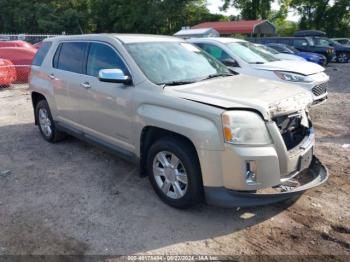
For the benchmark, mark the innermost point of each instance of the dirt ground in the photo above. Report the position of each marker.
(72, 198)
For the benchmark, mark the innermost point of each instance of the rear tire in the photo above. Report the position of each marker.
(174, 172)
(46, 124)
(343, 57)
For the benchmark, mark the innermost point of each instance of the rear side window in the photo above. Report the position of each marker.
(70, 56)
(41, 54)
(102, 56)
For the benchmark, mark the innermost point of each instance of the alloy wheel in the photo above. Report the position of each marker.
(342, 58)
(170, 174)
(45, 122)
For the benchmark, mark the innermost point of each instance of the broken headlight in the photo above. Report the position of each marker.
(245, 128)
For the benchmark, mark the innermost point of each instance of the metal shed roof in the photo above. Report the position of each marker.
(242, 26)
(201, 32)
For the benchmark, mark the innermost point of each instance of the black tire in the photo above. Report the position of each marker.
(343, 57)
(55, 135)
(188, 157)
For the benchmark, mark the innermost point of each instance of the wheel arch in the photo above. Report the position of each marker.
(151, 134)
(36, 98)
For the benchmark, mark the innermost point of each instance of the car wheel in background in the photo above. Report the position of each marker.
(174, 172)
(46, 124)
(343, 57)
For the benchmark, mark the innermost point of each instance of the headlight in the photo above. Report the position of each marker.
(245, 128)
(287, 76)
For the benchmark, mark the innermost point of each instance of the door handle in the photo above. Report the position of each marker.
(52, 76)
(86, 85)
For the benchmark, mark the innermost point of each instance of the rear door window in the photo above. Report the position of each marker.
(41, 54)
(70, 56)
(102, 56)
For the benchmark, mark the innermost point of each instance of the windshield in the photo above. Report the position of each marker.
(175, 62)
(322, 41)
(293, 49)
(250, 53)
(267, 49)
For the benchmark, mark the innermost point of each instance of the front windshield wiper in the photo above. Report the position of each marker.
(257, 63)
(183, 82)
(176, 83)
(217, 75)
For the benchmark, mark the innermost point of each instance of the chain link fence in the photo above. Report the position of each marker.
(30, 38)
(16, 54)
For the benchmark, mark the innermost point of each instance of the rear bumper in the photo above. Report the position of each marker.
(312, 177)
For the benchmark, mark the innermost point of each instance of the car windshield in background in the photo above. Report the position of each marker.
(267, 49)
(251, 53)
(322, 42)
(293, 49)
(175, 63)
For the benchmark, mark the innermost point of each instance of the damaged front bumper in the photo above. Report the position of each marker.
(309, 178)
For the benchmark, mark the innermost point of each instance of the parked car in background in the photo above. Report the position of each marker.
(37, 45)
(7, 73)
(342, 52)
(311, 57)
(22, 58)
(310, 33)
(303, 44)
(319, 38)
(342, 41)
(198, 131)
(243, 57)
(279, 55)
(15, 43)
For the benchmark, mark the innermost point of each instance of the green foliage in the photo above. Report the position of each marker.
(251, 9)
(77, 16)
(332, 17)
(285, 28)
(40, 16)
(164, 16)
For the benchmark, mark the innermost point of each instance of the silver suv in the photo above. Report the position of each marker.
(198, 131)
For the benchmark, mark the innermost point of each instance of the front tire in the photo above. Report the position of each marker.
(174, 172)
(343, 57)
(46, 124)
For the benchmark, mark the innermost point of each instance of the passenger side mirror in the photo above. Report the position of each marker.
(114, 76)
(230, 62)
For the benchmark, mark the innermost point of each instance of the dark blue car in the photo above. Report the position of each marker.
(311, 57)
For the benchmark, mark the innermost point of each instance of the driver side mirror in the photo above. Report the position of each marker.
(230, 62)
(114, 76)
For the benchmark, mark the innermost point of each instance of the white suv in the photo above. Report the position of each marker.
(245, 58)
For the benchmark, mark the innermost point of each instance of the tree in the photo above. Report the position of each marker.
(148, 16)
(330, 16)
(40, 16)
(251, 9)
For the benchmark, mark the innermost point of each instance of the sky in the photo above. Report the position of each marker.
(213, 6)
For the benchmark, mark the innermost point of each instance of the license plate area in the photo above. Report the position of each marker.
(306, 159)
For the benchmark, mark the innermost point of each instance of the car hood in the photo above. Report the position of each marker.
(300, 67)
(343, 47)
(311, 55)
(269, 97)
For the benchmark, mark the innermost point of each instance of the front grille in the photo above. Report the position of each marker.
(320, 89)
(291, 129)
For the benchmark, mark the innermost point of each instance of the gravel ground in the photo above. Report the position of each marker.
(72, 198)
